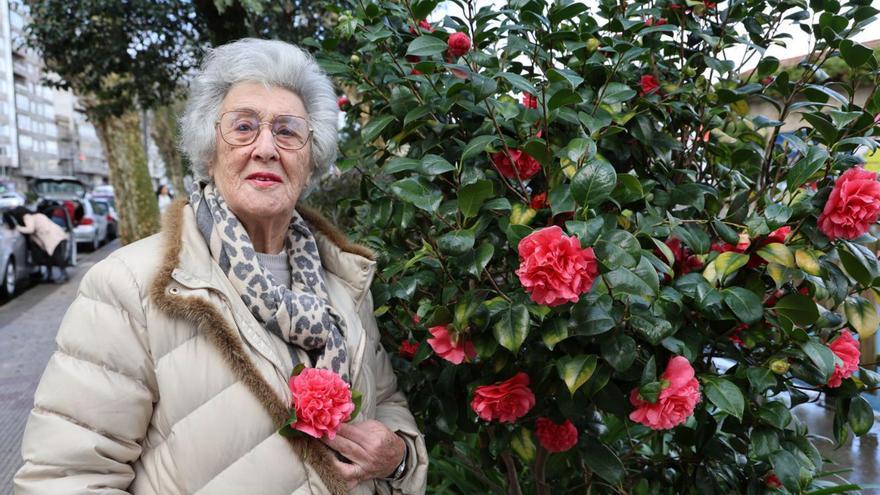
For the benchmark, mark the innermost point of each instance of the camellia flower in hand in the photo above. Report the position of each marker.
(322, 402)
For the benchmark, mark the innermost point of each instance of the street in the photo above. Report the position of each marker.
(28, 324)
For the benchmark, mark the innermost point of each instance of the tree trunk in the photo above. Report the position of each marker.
(122, 140)
(163, 128)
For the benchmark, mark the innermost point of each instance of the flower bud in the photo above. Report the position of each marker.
(355, 59)
(779, 366)
(592, 45)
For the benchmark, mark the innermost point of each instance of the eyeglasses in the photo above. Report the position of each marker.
(241, 128)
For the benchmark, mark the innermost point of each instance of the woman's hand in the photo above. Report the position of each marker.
(373, 449)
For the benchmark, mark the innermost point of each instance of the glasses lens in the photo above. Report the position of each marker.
(239, 128)
(290, 132)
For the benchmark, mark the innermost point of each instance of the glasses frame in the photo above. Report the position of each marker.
(260, 129)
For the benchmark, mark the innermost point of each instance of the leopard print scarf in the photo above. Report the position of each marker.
(301, 315)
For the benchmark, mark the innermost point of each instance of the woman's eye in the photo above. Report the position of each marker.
(243, 126)
(285, 131)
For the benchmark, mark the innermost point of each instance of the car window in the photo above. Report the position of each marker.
(99, 207)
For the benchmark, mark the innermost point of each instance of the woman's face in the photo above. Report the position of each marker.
(260, 181)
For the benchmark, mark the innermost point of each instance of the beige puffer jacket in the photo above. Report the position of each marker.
(164, 383)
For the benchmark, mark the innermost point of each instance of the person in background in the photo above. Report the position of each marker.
(45, 235)
(164, 197)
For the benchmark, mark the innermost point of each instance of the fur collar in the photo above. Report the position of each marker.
(209, 321)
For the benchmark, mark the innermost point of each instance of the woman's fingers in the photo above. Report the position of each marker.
(347, 447)
(352, 473)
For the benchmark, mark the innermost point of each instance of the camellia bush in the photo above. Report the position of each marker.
(600, 271)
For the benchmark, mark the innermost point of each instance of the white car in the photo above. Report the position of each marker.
(91, 225)
(11, 199)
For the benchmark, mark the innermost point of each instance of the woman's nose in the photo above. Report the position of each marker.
(264, 146)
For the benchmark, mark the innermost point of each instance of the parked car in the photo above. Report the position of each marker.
(105, 206)
(90, 227)
(14, 265)
(11, 199)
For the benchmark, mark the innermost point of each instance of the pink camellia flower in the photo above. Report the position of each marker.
(342, 102)
(554, 268)
(853, 206)
(685, 262)
(772, 481)
(846, 348)
(459, 44)
(451, 348)
(678, 397)
(539, 201)
(649, 84)
(650, 21)
(524, 163)
(422, 24)
(554, 437)
(505, 401)
(408, 349)
(322, 401)
(529, 100)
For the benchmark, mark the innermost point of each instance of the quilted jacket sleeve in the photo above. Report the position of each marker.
(393, 411)
(95, 399)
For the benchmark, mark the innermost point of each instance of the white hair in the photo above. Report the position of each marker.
(273, 63)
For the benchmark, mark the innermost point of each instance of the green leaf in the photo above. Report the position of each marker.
(435, 165)
(375, 126)
(725, 395)
(564, 75)
(358, 399)
(861, 416)
(694, 237)
(576, 370)
(787, 469)
(418, 193)
(760, 379)
(554, 332)
(456, 242)
(859, 262)
(778, 253)
(745, 304)
(616, 93)
(798, 308)
(522, 445)
(560, 200)
(651, 328)
(401, 164)
(518, 82)
(806, 167)
(808, 261)
(726, 264)
(777, 214)
(855, 54)
(477, 145)
(591, 318)
(603, 462)
(775, 413)
(862, 315)
(513, 327)
(619, 352)
(618, 248)
(821, 356)
(579, 148)
(425, 46)
(472, 196)
(475, 261)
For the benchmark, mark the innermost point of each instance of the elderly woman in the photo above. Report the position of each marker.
(171, 374)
